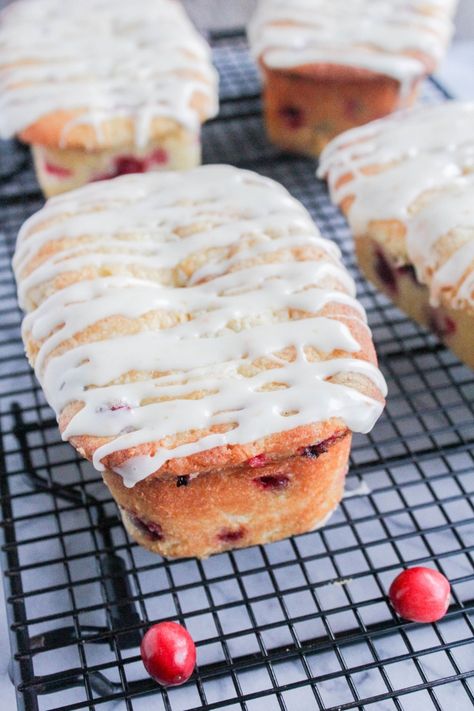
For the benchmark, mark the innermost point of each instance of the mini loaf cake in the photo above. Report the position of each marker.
(406, 185)
(200, 342)
(100, 88)
(329, 65)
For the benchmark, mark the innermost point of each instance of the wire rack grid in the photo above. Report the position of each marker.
(299, 624)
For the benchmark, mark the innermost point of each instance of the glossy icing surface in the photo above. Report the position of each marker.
(398, 38)
(416, 168)
(214, 252)
(106, 59)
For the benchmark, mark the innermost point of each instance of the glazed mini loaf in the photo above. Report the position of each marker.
(406, 185)
(100, 88)
(200, 342)
(329, 65)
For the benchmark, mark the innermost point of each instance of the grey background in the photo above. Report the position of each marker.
(219, 13)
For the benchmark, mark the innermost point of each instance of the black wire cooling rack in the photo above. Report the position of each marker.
(298, 625)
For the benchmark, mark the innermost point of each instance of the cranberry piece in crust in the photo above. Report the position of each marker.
(227, 535)
(408, 270)
(158, 157)
(260, 460)
(353, 108)
(385, 272)
(57, 170)
(168, 653)
(275, 482)
(315, 450)
(120, 406)
(420, 594)
(440, 324)
(114, 406)
(449, 326)
(125, 165)
(292, 116)
(152, 531)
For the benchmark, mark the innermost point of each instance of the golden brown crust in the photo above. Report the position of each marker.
(281, 444)
(391, 232)
(390, 236)
(328, 99)
(327, 72)
(91, 262)
(365, 168)
(176, 275)
(455, 327)
(235, 506)
(64, 129)
(331, 71)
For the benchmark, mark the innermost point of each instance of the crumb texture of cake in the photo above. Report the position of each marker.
(329, 65)
(196, 324)
(104, 79)
(234, 507)
(406, 185)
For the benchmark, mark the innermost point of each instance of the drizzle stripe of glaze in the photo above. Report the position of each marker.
(424, 178)
(398, 38)
(268, 276)
(107, 58)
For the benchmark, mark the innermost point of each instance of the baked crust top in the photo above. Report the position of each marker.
(101, 73)
(403, 39)
(408, 182)
(181, 322)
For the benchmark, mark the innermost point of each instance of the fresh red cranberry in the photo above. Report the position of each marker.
(420, 594)
(57, 170)
(168, 653)
(385, 272)
(152, 531)
(292, 116)
(128, 164)
(260, 460)
(440, 324)
(158, 157)
(228, 535)
(182, 481)
(275, 482)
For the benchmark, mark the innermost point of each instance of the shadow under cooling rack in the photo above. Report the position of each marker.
(299, 624)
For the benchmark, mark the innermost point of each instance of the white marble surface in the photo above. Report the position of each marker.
(7, 693)
(457, 74)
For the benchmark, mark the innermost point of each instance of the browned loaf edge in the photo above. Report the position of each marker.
(234, 506)
(50, 130)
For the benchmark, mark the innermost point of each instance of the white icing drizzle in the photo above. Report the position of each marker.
(106, 58)
(425, 155)
(398, 38)
(242, 312)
